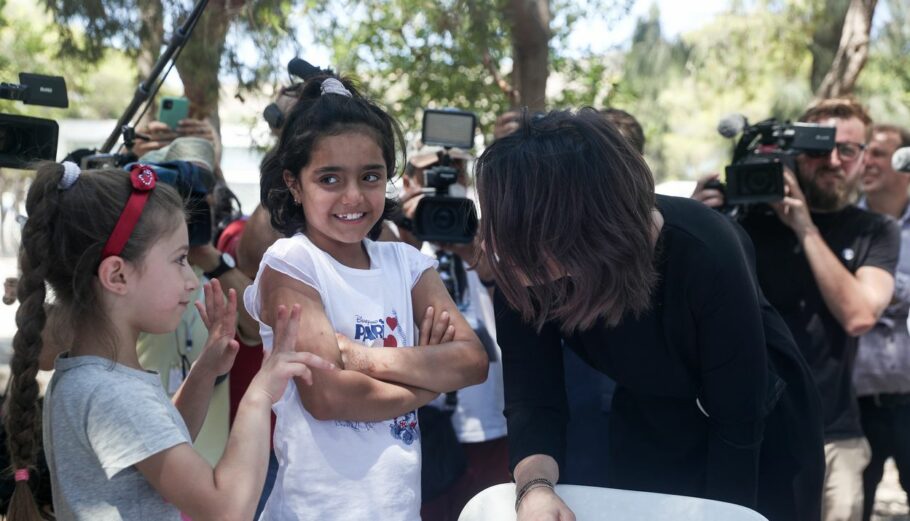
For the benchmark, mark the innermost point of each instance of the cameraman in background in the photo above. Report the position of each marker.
(827, 266)
(477, 418)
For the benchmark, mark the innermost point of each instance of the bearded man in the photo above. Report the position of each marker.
(828, 267)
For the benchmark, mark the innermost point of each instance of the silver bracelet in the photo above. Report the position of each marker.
(530, 485)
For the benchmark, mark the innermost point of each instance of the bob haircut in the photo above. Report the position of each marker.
(567, 222)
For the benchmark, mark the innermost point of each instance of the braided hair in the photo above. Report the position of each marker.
(61, 251)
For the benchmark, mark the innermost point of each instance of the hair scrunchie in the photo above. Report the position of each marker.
(333, 86)
(71, 172)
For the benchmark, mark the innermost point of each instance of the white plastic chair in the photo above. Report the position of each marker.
(497, 503)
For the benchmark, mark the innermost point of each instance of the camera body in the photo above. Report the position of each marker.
(194, 184)
(441, 217)
(23, 139)
(756, 174)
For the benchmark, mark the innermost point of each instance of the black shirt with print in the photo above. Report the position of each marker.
(858, 238)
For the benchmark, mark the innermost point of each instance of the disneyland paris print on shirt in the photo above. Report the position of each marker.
(384, 332)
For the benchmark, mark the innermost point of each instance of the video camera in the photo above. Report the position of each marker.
(440, 217)
(756, 173)
(194, 184)
(23, 139)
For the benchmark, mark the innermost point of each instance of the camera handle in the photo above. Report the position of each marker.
(445, 161)
(145, 89)
(12, 91)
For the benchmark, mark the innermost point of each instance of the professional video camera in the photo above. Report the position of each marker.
(756, 173)
(23, 139)
(194, 184)
(440, 217)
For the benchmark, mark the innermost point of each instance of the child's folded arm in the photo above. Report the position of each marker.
(334, 395)
(450, 365)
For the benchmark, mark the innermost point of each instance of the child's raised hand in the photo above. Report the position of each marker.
(284, 362)
(220, 318)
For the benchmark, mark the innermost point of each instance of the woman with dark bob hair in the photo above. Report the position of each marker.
(713, 399)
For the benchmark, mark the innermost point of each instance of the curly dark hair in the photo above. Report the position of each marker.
(313, 117)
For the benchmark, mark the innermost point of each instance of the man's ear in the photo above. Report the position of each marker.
(113, 273)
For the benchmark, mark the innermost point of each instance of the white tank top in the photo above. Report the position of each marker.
(341, 469)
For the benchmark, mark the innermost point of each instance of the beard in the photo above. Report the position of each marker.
(825, 198)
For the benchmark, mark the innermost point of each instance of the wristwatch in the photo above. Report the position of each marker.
(225, 263)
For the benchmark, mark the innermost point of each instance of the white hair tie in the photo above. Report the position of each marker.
(333, 86)
(71, 172)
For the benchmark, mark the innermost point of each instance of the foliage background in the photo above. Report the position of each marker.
(756, 57)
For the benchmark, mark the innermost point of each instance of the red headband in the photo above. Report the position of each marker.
(143, 179)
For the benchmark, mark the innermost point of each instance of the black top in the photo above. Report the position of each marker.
(703, 338)
(858, 238)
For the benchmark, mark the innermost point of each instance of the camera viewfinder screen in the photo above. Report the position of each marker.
(448, 128)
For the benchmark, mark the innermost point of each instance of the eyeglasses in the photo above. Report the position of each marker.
(849, 150)
(846, 150)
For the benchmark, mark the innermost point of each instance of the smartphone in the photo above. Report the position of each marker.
(172, 110)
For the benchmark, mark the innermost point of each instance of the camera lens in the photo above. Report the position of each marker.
(168, 104)
(10, 141)
(760, 183)
(444, 219)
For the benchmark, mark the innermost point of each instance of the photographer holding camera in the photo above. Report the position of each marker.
(827, 266)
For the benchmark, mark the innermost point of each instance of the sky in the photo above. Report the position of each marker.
(676, 18)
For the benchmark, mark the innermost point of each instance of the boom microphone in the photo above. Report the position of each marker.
(731, 125)
(900, 161)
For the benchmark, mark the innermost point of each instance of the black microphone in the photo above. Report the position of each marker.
(731, 125)
(304, 69)
(900, 161)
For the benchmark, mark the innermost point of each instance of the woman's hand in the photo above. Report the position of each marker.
(220, 318)
(543, 504)
(284, 362)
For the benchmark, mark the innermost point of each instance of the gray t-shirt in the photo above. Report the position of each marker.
(100, 419)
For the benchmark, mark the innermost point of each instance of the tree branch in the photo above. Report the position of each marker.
(503, 85)
(851, 53)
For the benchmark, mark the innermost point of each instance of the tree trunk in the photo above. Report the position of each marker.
(529, 22)
(852, 51)
(151, 38)
(200, 60)
(829, 26)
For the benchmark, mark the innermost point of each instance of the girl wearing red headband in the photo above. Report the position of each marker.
(112, 246)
